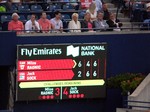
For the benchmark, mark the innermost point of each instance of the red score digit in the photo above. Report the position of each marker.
(65, 92)
(57, 93)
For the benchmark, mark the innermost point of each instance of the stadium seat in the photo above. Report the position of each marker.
(68, 7)
(36, 8)
(22, 18)
(65, 17)
(5, 18)
(14, 8)
(23, 8)
(54, 7)
(48, 17)
(81, 14)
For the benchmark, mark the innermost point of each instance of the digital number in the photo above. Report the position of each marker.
(94, 74)
(79, 64)
(95, 63)
(79, 73)
(87, 74)
(57, 93)
(88, 64)
(65, 91)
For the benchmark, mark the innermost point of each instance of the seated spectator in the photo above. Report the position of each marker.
(114, 23)
(146, 14)
(45, 24)
(32, 25)
(92, 11)
(15, 24)
(57, 23)
(106, 12)
(146, 18)
(74, 23)
(87, 24)
(100, 24)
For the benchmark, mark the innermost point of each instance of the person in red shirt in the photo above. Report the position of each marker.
(15, 24)
(45, 24)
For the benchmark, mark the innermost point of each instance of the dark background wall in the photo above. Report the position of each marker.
(126, 53)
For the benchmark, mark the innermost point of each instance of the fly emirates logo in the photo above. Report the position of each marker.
(39, 51)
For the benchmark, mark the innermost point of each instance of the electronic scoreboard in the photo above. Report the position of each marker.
(61, 71)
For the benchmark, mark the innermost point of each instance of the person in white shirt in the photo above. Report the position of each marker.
(74, 25)
(92, 11)
(56, 22)
(32, 25)
(98, 5)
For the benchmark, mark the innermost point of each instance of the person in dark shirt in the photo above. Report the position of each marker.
(114, 24)
(105, 11)
(87, 23)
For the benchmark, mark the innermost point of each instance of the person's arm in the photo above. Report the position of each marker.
(96, 25)
(27, 27)
(61, 26)
(10, 26)
(70, 27)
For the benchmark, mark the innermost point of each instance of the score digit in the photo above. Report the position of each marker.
(87, 74)
(65, 92)
(88, 64)
(79, 64)
(57, 93)
(95, 64)
(94, 74)
(79, 73)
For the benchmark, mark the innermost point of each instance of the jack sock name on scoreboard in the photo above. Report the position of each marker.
(74, 51)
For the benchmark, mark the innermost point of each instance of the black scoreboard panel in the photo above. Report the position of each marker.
(64, 71)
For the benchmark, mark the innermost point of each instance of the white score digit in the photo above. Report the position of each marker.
(94, 74)
(87, 74)
(95, 63)
(88, 64)
(79, 73)
(79, 64)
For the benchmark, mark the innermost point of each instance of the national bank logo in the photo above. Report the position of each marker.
(74, 51)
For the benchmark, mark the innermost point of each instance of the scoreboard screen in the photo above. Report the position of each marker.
(61, 71)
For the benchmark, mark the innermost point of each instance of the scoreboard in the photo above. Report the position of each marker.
(61, 71)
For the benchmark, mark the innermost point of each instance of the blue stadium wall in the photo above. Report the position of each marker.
(126, 53)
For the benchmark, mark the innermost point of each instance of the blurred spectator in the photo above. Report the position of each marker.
(15, 24)
(57, 23)
(87, 24)
(100, 24)
(6, 4)
(146, 18)
(45, 24)
(92, 11)
(106, 12)
(98, 5)
(32, 25)
(114, 23)
(146, 14)
(74, 23)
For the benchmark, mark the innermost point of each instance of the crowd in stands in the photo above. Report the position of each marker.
(94, 18)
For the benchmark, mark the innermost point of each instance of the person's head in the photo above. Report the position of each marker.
(104, 7)
(112, 16)
(57, 15)
(148, 7)
(100, 15)
(92, 7)
(43, 16)
(87, 16)
(33, 17)
(75, 16)
(15, 16)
